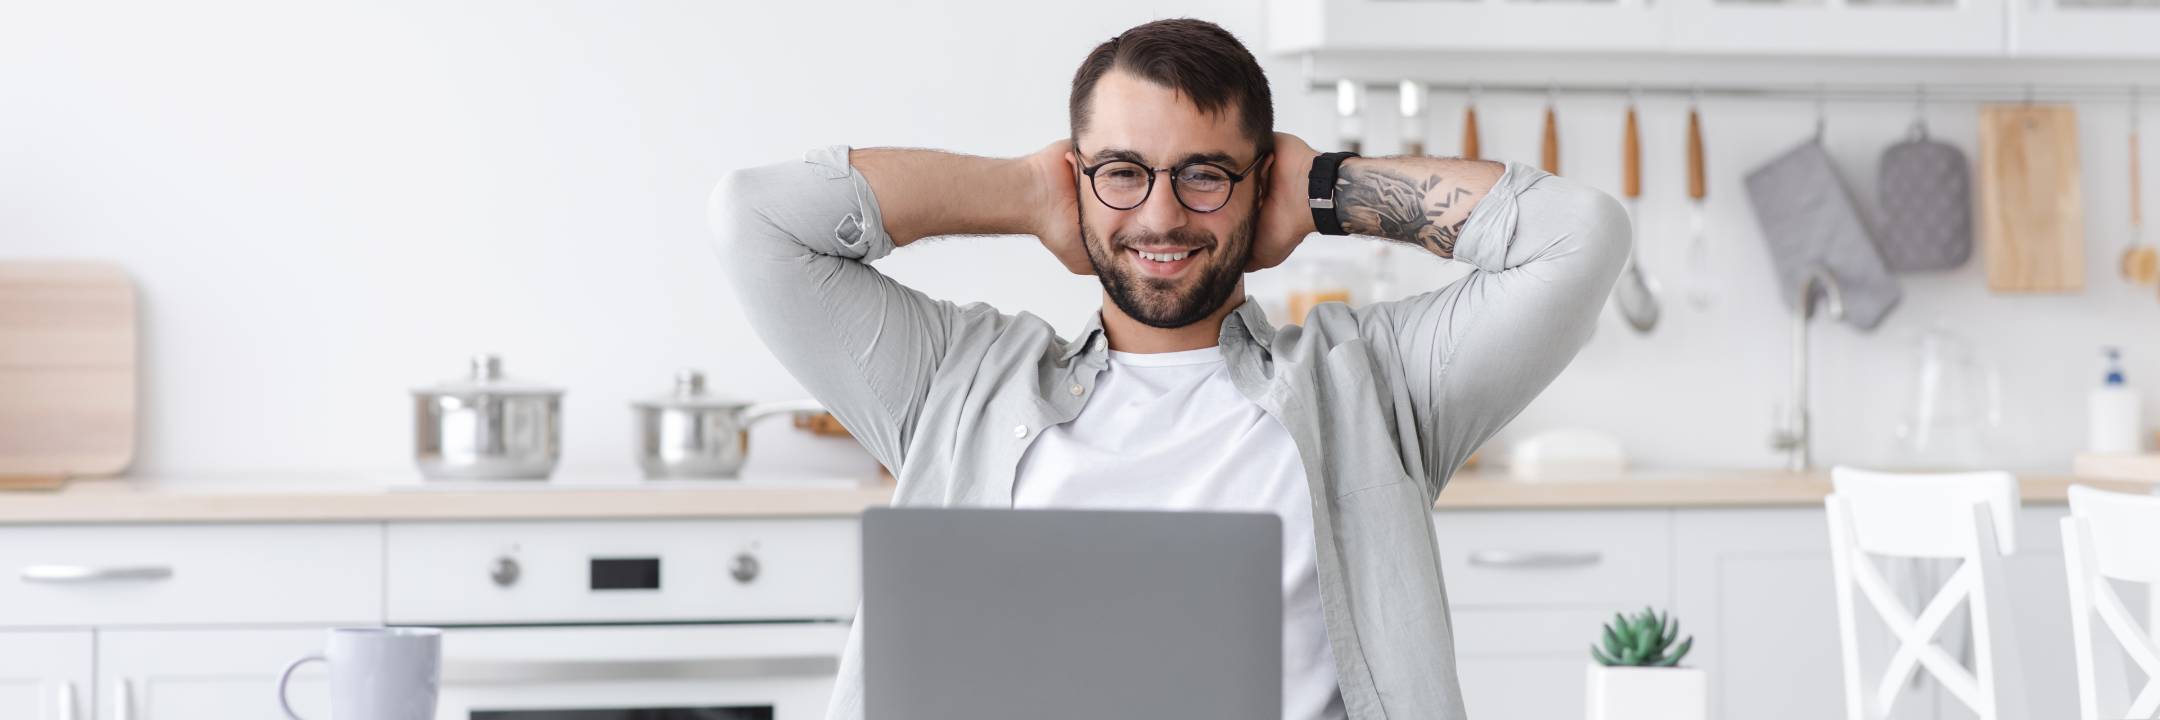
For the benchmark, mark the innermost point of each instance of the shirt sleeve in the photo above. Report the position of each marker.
(1472, 354)
(796, 239)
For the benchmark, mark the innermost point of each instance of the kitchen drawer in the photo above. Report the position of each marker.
(645, 571)
(191, 574)
(1609, 559)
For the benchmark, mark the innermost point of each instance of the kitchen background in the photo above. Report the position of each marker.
(326, 204)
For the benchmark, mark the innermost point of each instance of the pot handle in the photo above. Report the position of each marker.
(760, 411)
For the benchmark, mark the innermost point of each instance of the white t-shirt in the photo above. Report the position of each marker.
(1169, 431)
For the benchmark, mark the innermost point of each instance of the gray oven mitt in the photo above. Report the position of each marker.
(1808, 219)
(1926, 192)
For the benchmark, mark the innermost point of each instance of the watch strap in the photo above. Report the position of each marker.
(1320, 192)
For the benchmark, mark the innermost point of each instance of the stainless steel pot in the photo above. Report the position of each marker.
(689, 434)
(487, 427)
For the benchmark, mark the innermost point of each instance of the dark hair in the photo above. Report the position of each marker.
(1196, 58)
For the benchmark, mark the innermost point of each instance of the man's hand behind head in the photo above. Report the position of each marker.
(1057, 221)
(1285, 220)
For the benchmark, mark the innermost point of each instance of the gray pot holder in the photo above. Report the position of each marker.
(1926, 193)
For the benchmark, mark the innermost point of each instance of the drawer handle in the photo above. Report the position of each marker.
(1534, 559)
(90, 574)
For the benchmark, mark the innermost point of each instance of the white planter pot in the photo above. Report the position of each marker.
(1638, 693)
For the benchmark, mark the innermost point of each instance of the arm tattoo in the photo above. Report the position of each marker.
(1403, 207)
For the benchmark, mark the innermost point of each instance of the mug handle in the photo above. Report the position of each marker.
(287, 677)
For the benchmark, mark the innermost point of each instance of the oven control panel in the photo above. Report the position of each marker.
(487, 573)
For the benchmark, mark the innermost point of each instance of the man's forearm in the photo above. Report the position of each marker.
(927, 192)
(1423, 201)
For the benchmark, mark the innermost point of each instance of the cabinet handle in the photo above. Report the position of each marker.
(61, 574)
(1534, 559)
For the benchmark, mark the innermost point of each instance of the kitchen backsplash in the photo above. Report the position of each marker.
(310, 246)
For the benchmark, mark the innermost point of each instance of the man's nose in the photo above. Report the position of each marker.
(1161, 212)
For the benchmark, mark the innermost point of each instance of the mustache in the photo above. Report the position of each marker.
(1184, 238)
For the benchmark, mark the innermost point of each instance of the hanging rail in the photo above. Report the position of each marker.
(1901, 93)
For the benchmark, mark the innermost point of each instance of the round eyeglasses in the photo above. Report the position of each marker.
(1200, 186)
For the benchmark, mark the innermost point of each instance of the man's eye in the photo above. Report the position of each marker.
(1204, 179)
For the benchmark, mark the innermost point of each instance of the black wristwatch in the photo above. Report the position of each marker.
(1320, 192)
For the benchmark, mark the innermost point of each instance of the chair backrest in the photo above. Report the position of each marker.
(1922, 514)
(1962, 516)
(2111, 536)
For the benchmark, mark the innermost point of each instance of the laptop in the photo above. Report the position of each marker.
(991, 614)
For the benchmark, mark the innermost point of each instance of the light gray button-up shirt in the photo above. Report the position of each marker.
(1382, 401)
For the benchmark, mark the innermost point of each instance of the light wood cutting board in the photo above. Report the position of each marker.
(67, 371)
(2032, 210)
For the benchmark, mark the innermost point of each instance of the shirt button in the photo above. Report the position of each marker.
(1020, 431)
(1099, 343)
(1076, 390)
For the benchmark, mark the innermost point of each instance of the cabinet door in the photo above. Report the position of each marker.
(206, 674)
(1754, 587)
(2084, 28)
(1530, 591)
(1926, 28)
(1456, 25)
(45, 675)
(1525, 663)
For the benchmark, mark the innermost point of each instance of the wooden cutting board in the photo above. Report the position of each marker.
(2032, 210)
(67, 371)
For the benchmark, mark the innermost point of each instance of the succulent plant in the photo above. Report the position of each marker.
(1645, 640)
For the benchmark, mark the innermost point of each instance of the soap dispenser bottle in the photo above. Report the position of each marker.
(2113, 419)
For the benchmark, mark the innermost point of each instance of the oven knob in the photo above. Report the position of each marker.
(744, 568)
(504, 572)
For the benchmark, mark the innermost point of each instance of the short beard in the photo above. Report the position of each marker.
(1157, 302)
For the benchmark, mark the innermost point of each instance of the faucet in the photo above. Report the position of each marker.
(1796, 437)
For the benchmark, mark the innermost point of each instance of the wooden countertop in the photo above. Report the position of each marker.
(319, 498)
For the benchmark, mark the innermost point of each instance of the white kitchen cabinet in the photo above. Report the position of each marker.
(107, 575)
(2040, 602)
(2084, 28)
(45, 675)
(222, 674)
(1755, 585)
(1754, 588)
(1576, 25)
(1525, 663)
(1929, 28)
(1529, 592)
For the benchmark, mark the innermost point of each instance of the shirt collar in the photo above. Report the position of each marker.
(1247, 324)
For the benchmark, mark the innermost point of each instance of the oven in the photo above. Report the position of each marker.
(722, 619)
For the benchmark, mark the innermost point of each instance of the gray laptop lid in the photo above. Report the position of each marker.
(988, 614)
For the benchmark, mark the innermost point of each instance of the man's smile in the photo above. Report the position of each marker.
(1164, 261)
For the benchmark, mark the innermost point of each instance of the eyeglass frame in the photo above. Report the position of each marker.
(1235, 178)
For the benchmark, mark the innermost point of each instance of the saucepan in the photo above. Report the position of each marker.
(691, 434)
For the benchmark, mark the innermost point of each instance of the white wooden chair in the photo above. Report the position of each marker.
(1960, 516)
(2111, 536)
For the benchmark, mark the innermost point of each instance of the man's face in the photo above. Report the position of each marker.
(1134, 119)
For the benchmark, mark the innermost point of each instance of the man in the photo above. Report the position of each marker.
(1180, 394)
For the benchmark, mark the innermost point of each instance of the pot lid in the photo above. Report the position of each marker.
(485, 376)
(689, 393)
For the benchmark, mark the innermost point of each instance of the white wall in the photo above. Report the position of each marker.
(326, 205)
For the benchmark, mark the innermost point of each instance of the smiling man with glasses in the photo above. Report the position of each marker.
(1180, 394)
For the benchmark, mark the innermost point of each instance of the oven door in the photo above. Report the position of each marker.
(745, 671)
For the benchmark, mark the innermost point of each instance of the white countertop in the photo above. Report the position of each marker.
(359, 498)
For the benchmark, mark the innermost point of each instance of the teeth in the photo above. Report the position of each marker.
(1164, 257)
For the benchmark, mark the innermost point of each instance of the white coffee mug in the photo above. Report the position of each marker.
(377, 673)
